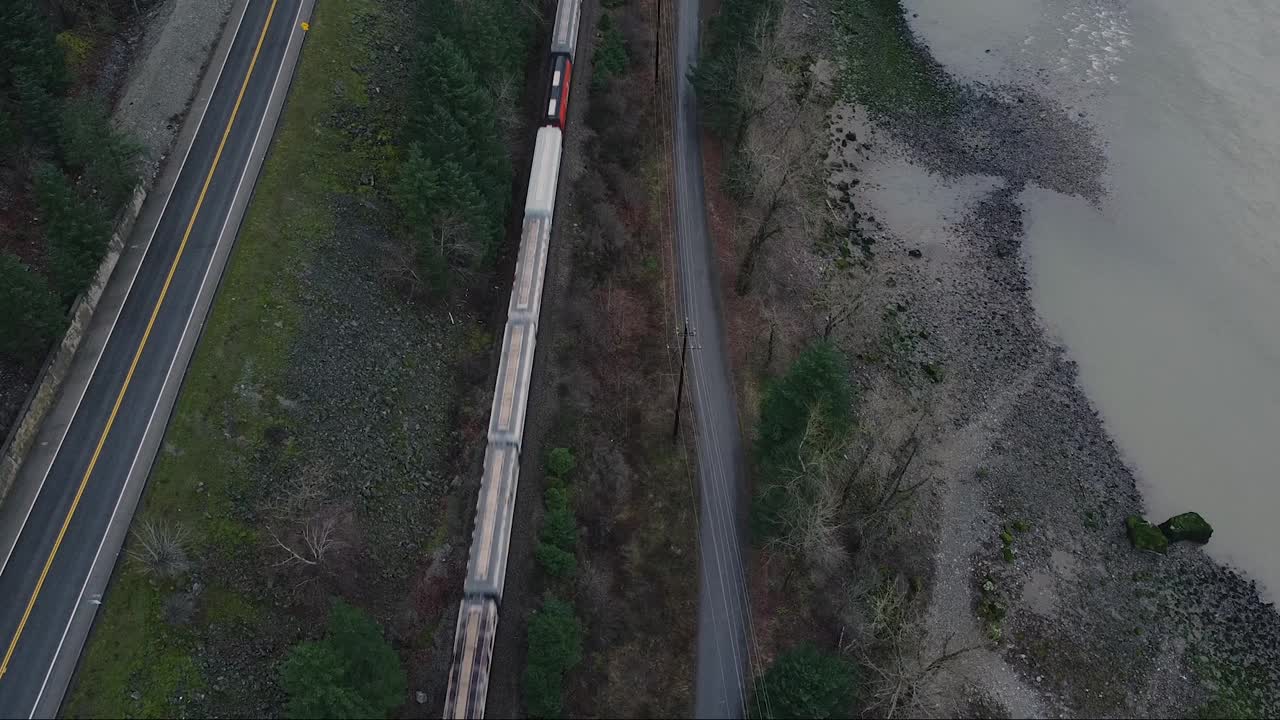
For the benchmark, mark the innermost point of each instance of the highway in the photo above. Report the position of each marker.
(722, 681)
(62, 527)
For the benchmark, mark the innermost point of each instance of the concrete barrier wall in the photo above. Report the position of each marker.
(45, 392)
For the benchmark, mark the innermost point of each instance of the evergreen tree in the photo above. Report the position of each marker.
(555, 648)
(559, 527)
(818, 381)
(805, 683)
(33, 74)
(352, 673)
(32, 315)
(496, 33)
(27, 44)
(77, 232)
(444, 213)
(453, 115)
(90, 145)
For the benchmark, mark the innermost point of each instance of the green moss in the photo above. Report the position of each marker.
(1146, 536)
(1187, 526)
(1091, 520)
(883, 67)
(991, 609)
(933, 371)
(1234, 691)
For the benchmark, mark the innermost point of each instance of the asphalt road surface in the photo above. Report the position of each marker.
(66, 518)
(722, 679)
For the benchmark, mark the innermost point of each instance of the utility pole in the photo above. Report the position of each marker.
(684, 353)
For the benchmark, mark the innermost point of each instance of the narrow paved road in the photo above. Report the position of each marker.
(64, 523)
(722, 681)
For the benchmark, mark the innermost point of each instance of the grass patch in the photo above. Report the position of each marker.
(883, 67)
(137, 662)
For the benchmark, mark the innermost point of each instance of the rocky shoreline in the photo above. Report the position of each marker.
(1032, 564)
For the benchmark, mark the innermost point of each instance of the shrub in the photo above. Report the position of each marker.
(160, 549)
(559, 527)
(818, 381)
(444, 213)
(610, 58)
(814, 397)
(555, 647)
(32, 315)
(352, 672)
(556, 562)
(805, 683)
(560, 462)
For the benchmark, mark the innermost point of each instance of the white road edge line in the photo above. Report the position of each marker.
(137, 271)
(295, 32)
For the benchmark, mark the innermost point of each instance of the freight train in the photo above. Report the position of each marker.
(495, 506)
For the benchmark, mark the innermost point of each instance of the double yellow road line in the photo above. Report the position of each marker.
(155, 312)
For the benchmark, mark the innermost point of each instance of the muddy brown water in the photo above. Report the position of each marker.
(1167, 291)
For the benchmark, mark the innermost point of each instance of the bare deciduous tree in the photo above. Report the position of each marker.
(836, 301)
(304, 491)
(400, 262)
(782, 140)
(831, 498)
(506, 96)
(810, 522)
(318, 541)
(160, 548)
(901, 682)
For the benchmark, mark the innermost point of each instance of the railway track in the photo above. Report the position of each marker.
(495, 506)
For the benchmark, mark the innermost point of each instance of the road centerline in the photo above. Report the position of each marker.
(155, 312)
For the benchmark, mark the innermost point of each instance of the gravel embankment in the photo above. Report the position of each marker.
(171, 57)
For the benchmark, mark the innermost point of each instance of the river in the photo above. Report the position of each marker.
(1166, 292)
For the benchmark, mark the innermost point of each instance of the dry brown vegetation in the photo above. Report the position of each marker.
(607, 360)
(848, 568)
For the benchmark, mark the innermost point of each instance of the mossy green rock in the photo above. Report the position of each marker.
(1187, 526)
(1146, 536)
